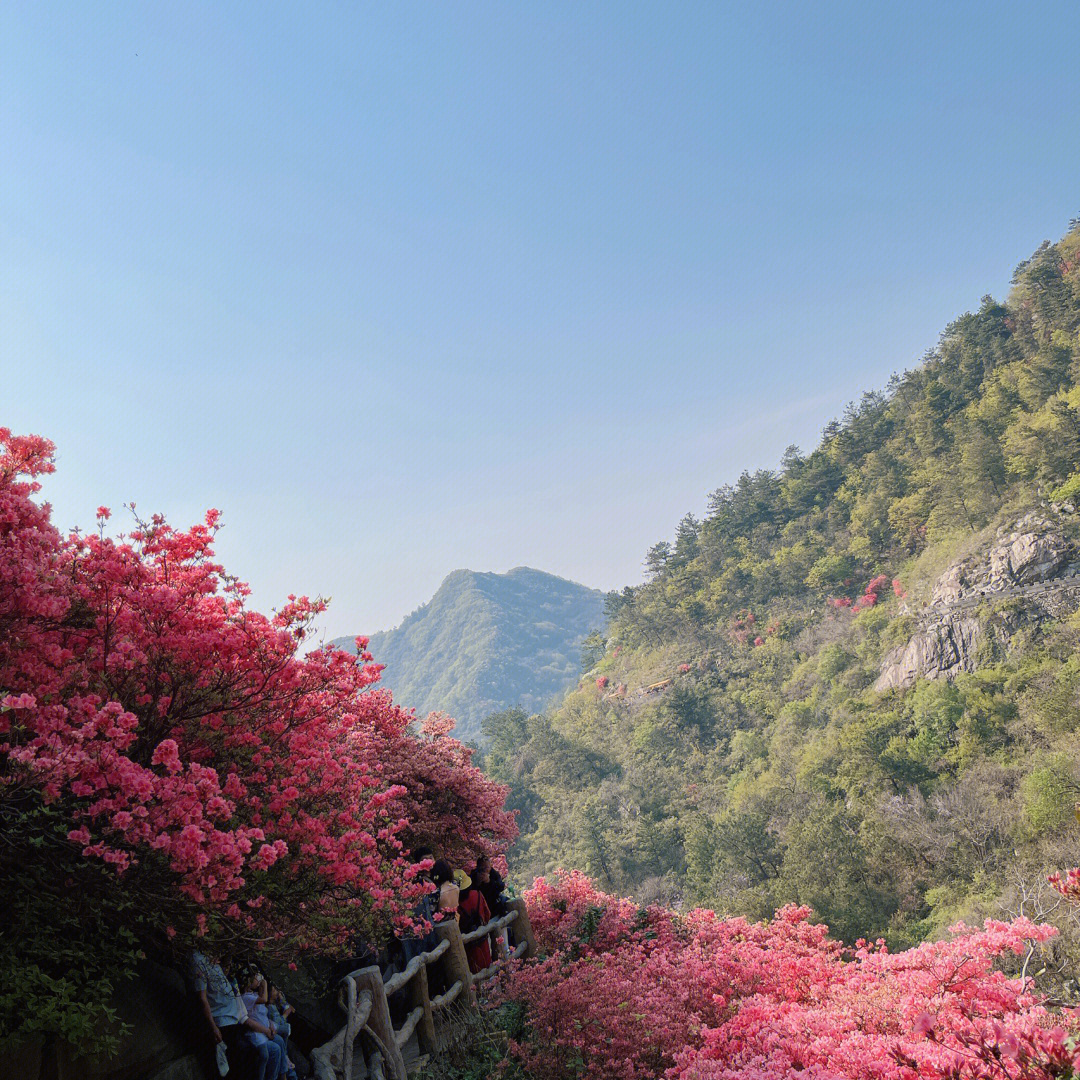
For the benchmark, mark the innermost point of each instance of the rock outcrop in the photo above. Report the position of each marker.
(163, 1042)
(1033, 550)
(1031, 560)
(167, 1038)
(940, 651)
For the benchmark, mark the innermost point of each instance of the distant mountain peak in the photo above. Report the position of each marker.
(487, 641)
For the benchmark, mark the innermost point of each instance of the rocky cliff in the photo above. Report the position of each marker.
(1032, 562)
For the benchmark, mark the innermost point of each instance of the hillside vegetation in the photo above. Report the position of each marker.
(488, 641)
(769, 770)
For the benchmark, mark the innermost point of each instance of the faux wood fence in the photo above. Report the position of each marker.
(369, 1046)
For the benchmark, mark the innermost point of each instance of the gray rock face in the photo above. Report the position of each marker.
(938, 652)
(1032, 550)
(1030, 556)
(950, 586)
(163, 1043)
(1030, 560)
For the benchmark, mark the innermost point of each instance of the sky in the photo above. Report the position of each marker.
(403, 288)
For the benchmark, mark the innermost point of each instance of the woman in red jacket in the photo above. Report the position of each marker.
(473, 911)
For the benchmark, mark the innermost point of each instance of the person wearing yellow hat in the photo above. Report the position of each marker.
(474, 913)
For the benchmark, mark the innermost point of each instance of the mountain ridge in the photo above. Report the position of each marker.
(789, 710)
(486, 641)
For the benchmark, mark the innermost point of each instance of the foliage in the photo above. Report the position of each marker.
(1069, 490)
(625, 993)
(172, 769)
(770, 771)
(473, 1044)
(486, 642)
(55, 976)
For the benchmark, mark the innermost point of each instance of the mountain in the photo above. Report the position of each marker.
(485, 642)
(856, 683)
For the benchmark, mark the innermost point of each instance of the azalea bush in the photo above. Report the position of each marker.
(875, 589)
(236, 792)
(629, 994)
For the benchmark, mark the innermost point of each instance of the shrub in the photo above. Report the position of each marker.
(152, 726)
(628, 993)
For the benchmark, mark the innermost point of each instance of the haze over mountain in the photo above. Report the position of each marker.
(486, 642)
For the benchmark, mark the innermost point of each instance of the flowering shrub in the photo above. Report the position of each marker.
(1069, 885)
(625, 993)
(871, 594)
(601, 682)
(742, 626)
(239, 790)
(684, 668)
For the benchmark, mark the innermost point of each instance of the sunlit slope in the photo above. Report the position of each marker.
(856, 683)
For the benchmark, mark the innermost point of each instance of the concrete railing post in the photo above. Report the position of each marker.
(370, 978)
(521, 928)
(455, 962)
(419, 996)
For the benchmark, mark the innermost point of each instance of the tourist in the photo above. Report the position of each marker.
(474, 913)
(423, 913)
(490, 883)
(269, 1045)
(278, 1009)
(449, 892)
(220, 1002)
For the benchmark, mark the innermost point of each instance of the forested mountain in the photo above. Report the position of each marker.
(856, 683)
(488, 641)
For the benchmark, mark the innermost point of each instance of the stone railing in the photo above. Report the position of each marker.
(369, 1046)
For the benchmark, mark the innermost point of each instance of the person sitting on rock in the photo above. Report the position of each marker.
(220, 1003)
(278, 1009)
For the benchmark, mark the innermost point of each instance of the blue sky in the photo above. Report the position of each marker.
(402, 288)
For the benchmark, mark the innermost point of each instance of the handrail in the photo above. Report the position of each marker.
(486, 973)
(364, 995)
(489, 927)
(398, 980)
(362, 1009)
(401, 1035)
(444, 999)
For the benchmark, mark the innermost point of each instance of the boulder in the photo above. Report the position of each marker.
(1033, 550)
(185, 1068)
(1036, 558)
(950, 586)
(162, 1035)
